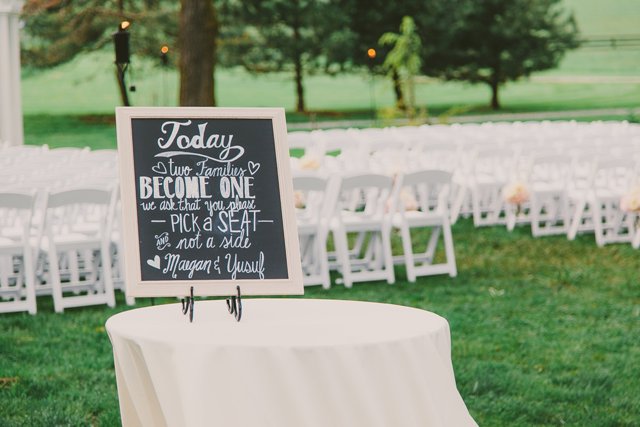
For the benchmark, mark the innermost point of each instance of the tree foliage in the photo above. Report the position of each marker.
(404, 57)
(368, 20)
(496, 41)
(478, 41)
(58, 30)
(301, 36)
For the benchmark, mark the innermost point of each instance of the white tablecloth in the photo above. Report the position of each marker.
(289, 362)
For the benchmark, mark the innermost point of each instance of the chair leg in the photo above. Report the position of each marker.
(597, 223)
(6, 266)
(54, 276)
(456, 206)
(342, 252)
(107, 276)
(448, 248)
(566, 214)
(388, 256)
(536, 212)
(475, 201)
(635, 243)
(323, 261)
(432, 244)
(74, 267)
(511, 218)
(30, 283)
(576, 220)
(405, 234)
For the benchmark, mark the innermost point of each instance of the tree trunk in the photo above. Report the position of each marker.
(300, 107)
(197, 41)
(495, 102)
(397, 88)
(494, 83)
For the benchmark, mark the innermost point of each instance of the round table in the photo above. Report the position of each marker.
(289, 362)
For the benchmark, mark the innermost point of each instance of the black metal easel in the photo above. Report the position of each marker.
(234, 305)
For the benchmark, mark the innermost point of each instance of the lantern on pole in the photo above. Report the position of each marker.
(121, 44)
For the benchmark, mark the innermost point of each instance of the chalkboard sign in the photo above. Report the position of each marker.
(207, 202)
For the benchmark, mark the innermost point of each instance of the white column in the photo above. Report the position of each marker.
(11, 128)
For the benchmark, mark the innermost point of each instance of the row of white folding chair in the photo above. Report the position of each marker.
(58, 168)
(392, 161)
(486, 170)
(597, 208)
(70, 247)
(360, 211)
(17, 266)
(316, 198)
(468, 136)
(571, 195)
(78, 247)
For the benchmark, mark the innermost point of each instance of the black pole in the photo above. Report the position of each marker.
(120, 74)
(121, 44)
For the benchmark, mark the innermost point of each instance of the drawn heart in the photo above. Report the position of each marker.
(253, 167)
(160, 168)
(155, 262)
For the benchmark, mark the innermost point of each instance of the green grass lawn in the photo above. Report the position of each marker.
(87, 86)
(545, 332)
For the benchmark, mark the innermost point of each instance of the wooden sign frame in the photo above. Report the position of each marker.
(136, 286)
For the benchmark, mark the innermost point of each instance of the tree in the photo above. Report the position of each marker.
(404, 58)
(368, 20)
(496, 41)
(300, 36)
(59, 30)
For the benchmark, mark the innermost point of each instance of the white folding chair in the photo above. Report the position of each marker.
(427, 192)
(367, 224)
(77, 242)
(487, 172)
(315, 204)
(548, 181)
(306, 150)
(598, 208)
(17, 281)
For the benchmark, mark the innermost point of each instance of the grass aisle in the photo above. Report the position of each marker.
(544, 332)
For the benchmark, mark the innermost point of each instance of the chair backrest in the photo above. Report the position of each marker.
(83, 208)
(316, 198)
(441, 155)
(550, 169)
(16, 216)
(493, 162)
(335, 140)
(614, 175)
(369, 194)
(425, 190)
(301, 143)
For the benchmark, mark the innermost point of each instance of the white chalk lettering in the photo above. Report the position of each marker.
(228, 152)
(176, 264)
(235, 266)
(187, 187)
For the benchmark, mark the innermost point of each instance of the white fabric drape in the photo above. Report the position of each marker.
(289, 362)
